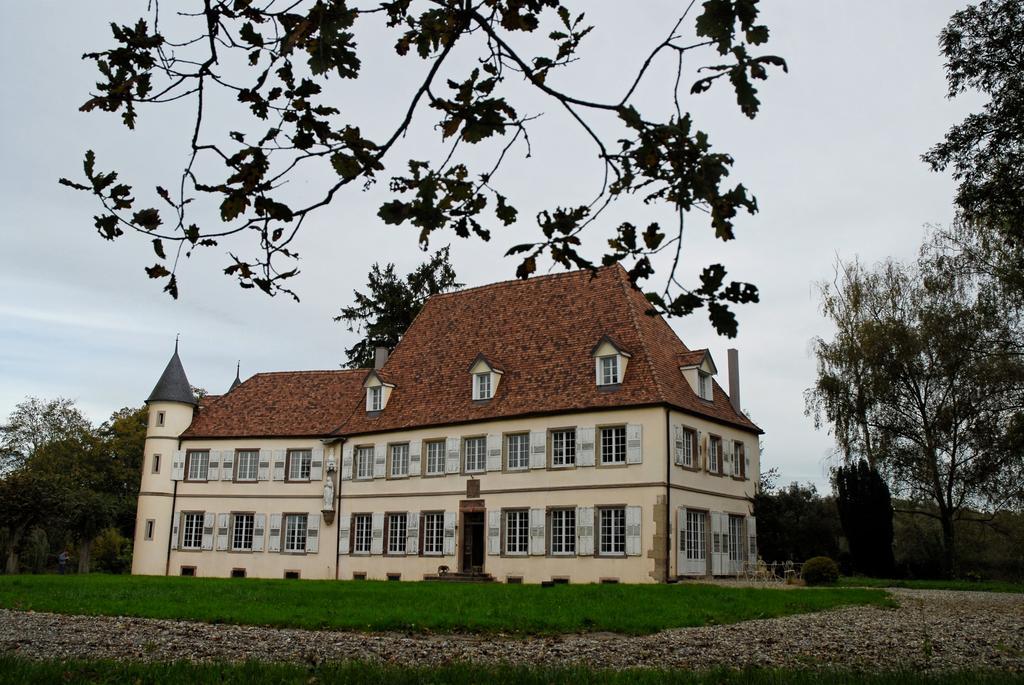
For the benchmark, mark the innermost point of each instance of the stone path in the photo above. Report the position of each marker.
(931, 630)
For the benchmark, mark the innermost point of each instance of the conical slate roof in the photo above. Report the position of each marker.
(173, 385)
(238, 381)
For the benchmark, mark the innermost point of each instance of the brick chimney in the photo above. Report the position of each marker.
(380, 357)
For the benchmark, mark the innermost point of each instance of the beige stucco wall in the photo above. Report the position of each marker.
(642, 485)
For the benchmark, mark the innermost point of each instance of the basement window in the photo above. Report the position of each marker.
(291, 575)
(238, 573)
(189, 571)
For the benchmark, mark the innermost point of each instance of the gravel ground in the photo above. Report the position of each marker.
(932, 630)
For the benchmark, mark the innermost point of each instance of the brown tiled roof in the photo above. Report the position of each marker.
(543, 330)
(280, 404)
(691, 358)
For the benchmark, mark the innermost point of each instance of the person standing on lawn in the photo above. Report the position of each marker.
(62, 561)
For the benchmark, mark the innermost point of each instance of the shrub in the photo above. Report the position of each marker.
(820, 571)
(111, 552)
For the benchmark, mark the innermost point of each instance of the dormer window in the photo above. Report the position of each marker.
(486, 377)
(482, 386)
(610, 362)
(704, 385)
(377, 392)
(375, 398)
(609, 370)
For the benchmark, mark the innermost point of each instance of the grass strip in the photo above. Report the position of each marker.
(24, 671)
(957, 585)
(420, 607)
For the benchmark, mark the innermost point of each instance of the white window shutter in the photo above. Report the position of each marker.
(415, 450)
(222, 532)
(174, 531)
(537, 532)
(633, 531)
(227, 465)
(209, 520)
(213, 472)
(344, 533)
(377, 541)
(178, 466)
(449, 533)
(346, 461)
(716, 543)
(751, 538)
(746, 465)
(634, 443)
(597, 370)
(451, 462)
(585, 531)
(313, 533)
(380, 460)
(701, 451)
(263, 472)
(538, 449)
(493, 452)
(279, 457)
(494, 531)
(259, 530)
(678, 435)
(412, 533)
(274, 541)
(585, 442)
(316, 464)
(681, 532)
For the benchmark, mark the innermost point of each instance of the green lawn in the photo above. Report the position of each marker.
(14, 670)
(984, 586)
(442, 607)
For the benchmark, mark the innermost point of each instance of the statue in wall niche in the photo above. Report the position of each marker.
(329, 495)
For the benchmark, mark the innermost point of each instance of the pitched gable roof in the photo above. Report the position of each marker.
(280, 404)
(543, 329)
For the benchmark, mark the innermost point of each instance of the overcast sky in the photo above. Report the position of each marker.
(833, 159)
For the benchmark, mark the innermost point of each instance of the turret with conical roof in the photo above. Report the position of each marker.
(238, 380)
(173, 385)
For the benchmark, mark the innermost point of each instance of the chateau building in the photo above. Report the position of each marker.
(532, 430)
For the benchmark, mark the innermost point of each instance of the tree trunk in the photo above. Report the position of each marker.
(84, 552)
(948, 545)
(12, 561)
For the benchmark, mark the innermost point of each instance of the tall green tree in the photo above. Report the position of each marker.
(983, 46)
(917, 381)
(866, 514)
(277, 69)
(795, 523)
(33, 424)
(385, 311)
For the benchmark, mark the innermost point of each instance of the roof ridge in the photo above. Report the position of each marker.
(298, 371)
(511, 281)
(640, 334)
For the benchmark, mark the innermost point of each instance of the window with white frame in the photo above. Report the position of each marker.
(295, 532)
(612, 529)
(400, 460)
(517, 531)
(715, 454)
(375, 398)
(192, 530)
(609, 369)
(563, 531)
(396, 533)
(433, 532)
(517, 447)
(362, 533)
(613, 445)
(482, 386)
(364, 463)
(739, 459)
(299, 464)
(689, 446)
(247, 464)
(563, 447)
(241, 532)
(198, 465)
(704, 387)
(736, 538)
(696, 545)
(435, 457)
(476, 454)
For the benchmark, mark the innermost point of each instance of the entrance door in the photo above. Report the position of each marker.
(473, 541)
